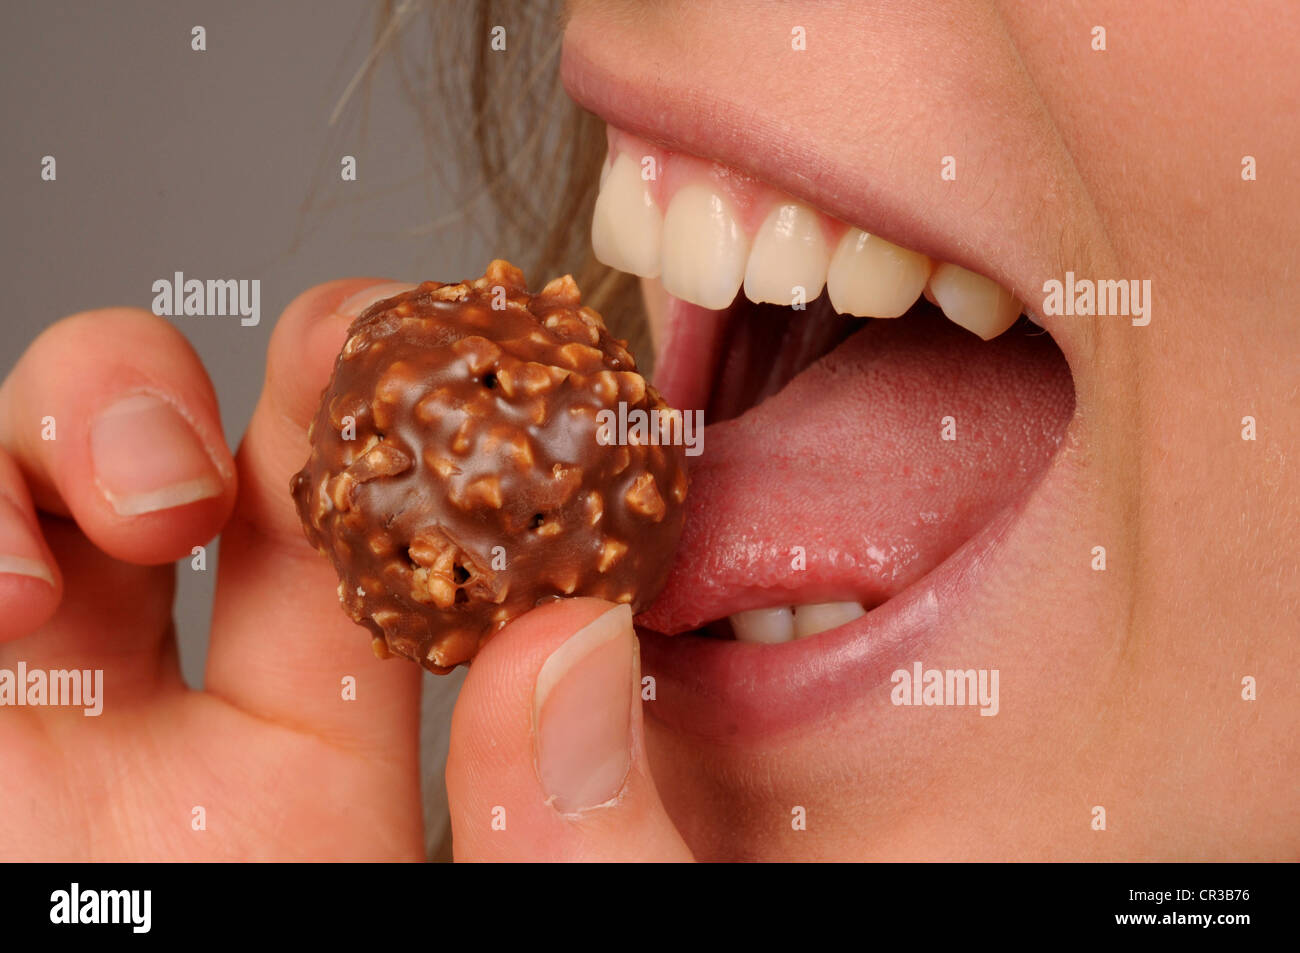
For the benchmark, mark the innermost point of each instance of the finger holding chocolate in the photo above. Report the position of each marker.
(463, 470)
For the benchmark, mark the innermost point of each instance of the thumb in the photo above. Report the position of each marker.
(547, 759)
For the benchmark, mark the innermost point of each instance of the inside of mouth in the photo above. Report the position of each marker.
(765, 346)
(760, 349)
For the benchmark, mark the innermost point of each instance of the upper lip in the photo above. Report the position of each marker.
(1002, 217)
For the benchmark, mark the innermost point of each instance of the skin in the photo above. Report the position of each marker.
(1127, 683)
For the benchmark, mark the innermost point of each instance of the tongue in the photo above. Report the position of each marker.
(847, 465)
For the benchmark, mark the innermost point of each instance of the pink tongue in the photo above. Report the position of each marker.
(847, 464)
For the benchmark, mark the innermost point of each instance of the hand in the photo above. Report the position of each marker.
(281, 766)
(547, 758)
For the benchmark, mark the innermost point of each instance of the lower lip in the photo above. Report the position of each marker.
(735, 692)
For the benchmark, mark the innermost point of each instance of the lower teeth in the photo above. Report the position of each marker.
(764, 626)
(785, 624)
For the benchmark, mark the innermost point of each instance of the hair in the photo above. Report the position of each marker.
(526, 158)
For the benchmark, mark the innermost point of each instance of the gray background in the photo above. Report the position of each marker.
(220, 164)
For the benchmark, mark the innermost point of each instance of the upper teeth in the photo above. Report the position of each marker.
(627, 225)
(706, 248)
(977, 303)
(872, 278)
(789, 252)
(785, 624)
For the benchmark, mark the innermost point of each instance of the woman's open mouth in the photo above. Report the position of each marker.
(878, 422)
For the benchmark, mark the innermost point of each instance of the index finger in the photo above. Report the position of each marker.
(281, 646)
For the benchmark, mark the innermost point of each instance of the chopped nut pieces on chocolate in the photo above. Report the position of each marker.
(456, 479)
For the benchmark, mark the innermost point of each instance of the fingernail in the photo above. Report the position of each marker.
(146, 457)
(582, 714)
(20, 553)
(353, 306)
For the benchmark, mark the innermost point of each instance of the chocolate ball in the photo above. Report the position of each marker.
(466, 465)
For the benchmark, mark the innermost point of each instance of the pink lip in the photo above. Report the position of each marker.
(734, 693)
(684, 121)
(1004, 223)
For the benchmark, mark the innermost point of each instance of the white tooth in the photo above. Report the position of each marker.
(789, 251)
(976, 303)
(704, 248)
(767, 626)
(627, 227)
(809, 620)
(873, 278)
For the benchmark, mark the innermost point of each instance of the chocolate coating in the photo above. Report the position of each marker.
(456, 478)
